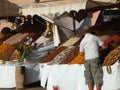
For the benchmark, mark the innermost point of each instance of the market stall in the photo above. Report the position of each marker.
(54, 74)
(57, 70)
(8, 68)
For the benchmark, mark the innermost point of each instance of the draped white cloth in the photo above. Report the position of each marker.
(71, 77)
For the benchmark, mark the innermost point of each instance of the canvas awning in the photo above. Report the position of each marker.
(67, 5)
(107, 1)
(94, 5)
(54, 7)
(8, 9)
(11, 8)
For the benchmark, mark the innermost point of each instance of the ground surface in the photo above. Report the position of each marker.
(34, 86)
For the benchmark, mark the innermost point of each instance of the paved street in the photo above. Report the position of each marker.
(34, 86)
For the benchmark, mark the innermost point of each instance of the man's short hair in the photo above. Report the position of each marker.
(85, 28)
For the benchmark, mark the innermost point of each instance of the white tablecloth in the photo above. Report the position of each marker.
(66, 77)
(7, 75)
(71, 77)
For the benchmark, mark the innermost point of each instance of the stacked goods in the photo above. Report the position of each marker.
(112, 57)
(6, 51)
(52, 55)
(71, 55)
(79, 59)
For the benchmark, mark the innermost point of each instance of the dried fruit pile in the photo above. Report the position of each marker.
(71, 55)
(6, 50)
(112, 57)
(79, 59)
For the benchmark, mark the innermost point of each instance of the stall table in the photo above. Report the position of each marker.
(71, 77)
(8, 78)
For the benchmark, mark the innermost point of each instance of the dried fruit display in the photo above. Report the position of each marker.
(79, 59)
(52, 55)
(62, 56)
(6, 51)
(112, 57)
(71, 55)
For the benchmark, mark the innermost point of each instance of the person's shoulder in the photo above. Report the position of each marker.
(89, 34)
(93, 35)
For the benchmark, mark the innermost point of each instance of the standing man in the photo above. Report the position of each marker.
(89, 47)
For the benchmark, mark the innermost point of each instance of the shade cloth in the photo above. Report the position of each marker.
(65, 5)
(107, 1)
(54, 7)
(8, 9)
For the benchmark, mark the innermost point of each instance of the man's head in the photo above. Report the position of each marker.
(86, 29)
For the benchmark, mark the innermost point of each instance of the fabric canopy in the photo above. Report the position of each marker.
(67, 5)
(108, 1)
(8, 9)
(12, 8)
(54, 7)
(94, 5)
